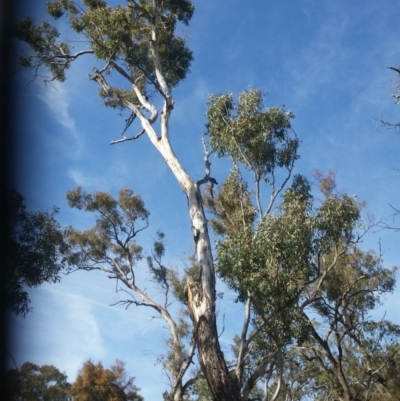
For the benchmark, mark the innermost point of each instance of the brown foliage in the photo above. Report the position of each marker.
(94, 383)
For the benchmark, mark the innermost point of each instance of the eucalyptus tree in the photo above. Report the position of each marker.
(138, 43)
(356, 349)
(281, 262)
(269, 251)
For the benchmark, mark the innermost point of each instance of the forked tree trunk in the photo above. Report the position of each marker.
(201, 292)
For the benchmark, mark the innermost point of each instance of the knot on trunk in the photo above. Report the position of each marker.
(194, 295)
(166, 396)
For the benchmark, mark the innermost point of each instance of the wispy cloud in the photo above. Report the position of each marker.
(317, 61)
(82, 179)
(72, 335)
(80, 329)
(112, 178)
(192, 104)
(56, 98)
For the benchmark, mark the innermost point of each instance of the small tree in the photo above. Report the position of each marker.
(94, 383)
(111, 246)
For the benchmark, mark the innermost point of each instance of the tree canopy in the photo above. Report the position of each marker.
(32, 382)
(97, 383)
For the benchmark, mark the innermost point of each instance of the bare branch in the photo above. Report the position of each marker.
(146, 122)
(387, 125)
(130, 138)
(244, 343)
(185, 365)
(156, 58)
(274, 193)
(395, 69)
(278, 387)
(257, 181)
(207, 163)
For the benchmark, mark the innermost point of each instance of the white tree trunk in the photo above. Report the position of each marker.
(201, 290)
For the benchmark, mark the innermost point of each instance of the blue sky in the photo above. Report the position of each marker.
(324, 60)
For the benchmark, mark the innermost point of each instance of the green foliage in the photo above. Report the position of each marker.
(32, 382)
(232, 206)
(277, 256)
(177, 352)
(159, 272)
(97, 383)
(199, 391)
(272, 255)
(259, 139)
(273, 259)
(372, 374)
(357, 280)
(34, 245)
(179, 282)
(336, 220)
(117, 96)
